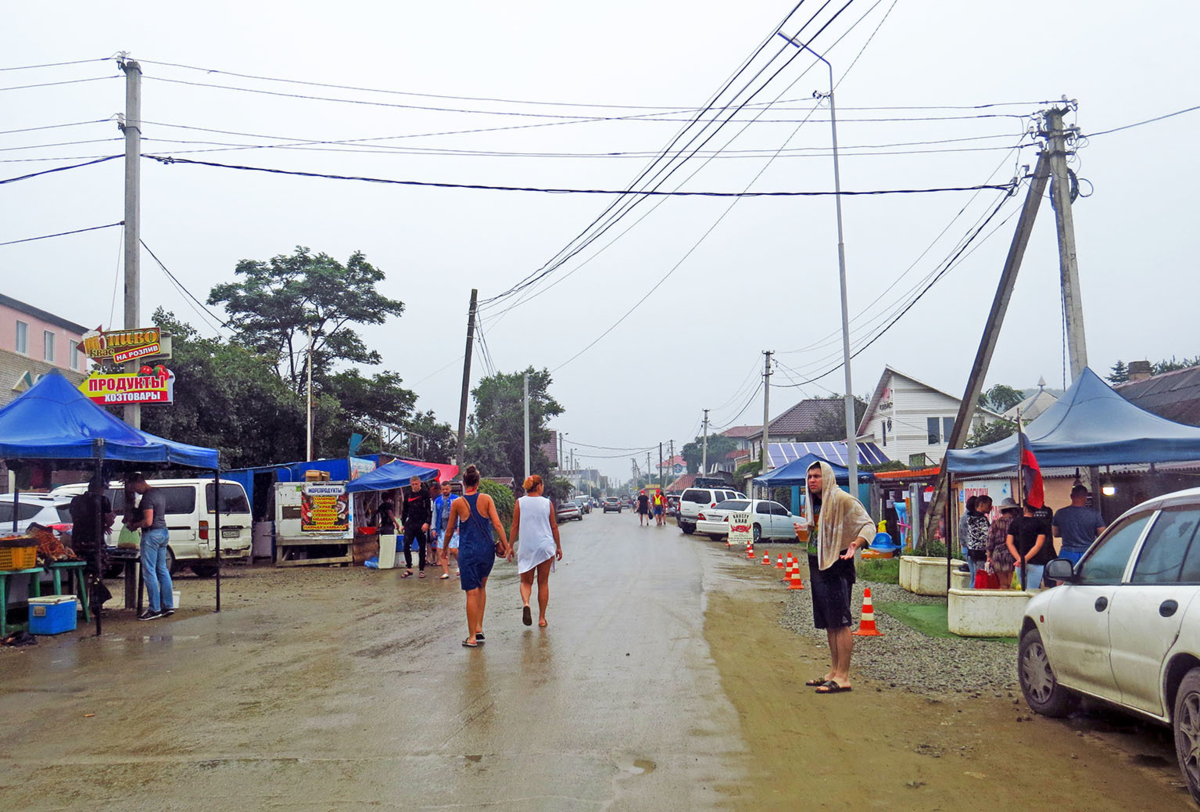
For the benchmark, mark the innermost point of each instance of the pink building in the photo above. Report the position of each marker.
(34, 341)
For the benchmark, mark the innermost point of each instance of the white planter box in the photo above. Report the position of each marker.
(926, 575)
(986, 612)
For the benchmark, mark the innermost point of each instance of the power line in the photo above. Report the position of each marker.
(61, 234)
(1147, 121)
(166, 159)
(61, 144)
(55, 126)
(734, 419)
(186, 292)
(56, 84)
(56, 64)
(59, 169)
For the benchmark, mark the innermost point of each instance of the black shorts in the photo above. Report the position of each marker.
(831, 590)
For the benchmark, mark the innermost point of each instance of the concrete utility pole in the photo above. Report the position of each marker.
(466, 383)
(704, 448)
(671, 457)
(527, 425)
(649, 471)
(308, 424)
(132, 127)
(660, 466)
(1068, 262)
(562, 462)
(766, 437)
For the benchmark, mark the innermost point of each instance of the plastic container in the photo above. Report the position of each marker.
(52, 615)
(18, 554)
(174, 598)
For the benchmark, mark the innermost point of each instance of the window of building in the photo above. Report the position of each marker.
(947, 428)
(933, 426)
(48, 345)
(73, 351)
(22, 337)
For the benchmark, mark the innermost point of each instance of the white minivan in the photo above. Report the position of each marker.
(191, 520)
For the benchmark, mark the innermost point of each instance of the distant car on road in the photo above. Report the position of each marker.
(769, 520)
(1123, 626)
(612, 503)
(693, 500)
(673, 505)
(568, 511)
(584, 503)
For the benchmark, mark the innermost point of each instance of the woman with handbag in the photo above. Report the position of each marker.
(535, 532)
(477, 549)
(975, 541)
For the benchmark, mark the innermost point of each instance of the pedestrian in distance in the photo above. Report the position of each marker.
(974, 543)
(415, 516)
(477, 549)
(441, 517)
(658, 507)
(837, 525)
(1077, 525)
(1028, 544)
(156, 573)
(538, 546)
(1000, 561)
(92, 516)
(643, 509)
(434, 490)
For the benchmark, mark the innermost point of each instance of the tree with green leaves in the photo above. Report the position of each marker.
(496, 443)
(1119, 373)
(990, 432)
(718, 446)
(1000, 398)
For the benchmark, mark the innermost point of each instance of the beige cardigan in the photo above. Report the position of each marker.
(843, 519)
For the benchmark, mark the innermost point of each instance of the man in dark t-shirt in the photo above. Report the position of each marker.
(1030, 545)
(91, 518)
(1077, 525)
(415, 514)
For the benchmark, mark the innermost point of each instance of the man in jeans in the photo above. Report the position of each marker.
(1078, 525)
(156, 574)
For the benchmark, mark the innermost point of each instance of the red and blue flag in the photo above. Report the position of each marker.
(1031, 473)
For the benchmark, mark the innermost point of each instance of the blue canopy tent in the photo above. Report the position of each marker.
(1089, 425)
(795, 472)
(393, 475)
(54, 421)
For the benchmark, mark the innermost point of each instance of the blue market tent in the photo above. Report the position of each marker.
(793, 474)
(1089, 425)
(55, 421)
(393, 475)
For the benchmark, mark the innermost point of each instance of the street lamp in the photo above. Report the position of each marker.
(851, 427)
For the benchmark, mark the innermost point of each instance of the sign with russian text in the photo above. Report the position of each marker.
(152, 385)
(122, 345)
(324, 508)
(740, 531)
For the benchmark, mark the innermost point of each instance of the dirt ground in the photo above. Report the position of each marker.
(884, 748)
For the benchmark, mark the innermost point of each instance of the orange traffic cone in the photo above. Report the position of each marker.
(794, 582)
(867, 627)
(766, 559)
(750, 551)
(779, 562)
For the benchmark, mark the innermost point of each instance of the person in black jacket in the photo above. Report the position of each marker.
(415, 515)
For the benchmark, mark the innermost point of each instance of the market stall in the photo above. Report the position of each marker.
(53, 423)
(367, 490)
(793, 475)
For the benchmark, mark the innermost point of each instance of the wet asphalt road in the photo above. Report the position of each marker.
(323, 689)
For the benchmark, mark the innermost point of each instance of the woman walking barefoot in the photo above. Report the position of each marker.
(536, 527)
(476, 549)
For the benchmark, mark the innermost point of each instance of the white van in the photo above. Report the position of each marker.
(190, 520)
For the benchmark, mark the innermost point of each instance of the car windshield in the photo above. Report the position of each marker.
(733, 504)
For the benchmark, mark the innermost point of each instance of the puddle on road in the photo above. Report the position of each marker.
(635, 766)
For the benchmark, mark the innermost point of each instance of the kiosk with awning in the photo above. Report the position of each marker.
(53, 422)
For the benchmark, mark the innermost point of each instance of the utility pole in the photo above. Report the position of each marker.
(649, 471)
(527, 425)
(660, 466)
(308, 424)
(766, 438)
(671, 458)
(1064, 219)
(562, 462)
(704, 448)
(132, 127)
(466, 382)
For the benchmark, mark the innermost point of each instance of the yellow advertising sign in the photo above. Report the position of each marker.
(324, 508)
(124, 387)
(122, 345)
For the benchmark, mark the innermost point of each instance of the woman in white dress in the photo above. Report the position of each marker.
(535, 534)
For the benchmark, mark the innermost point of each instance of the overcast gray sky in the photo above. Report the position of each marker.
(764, 278)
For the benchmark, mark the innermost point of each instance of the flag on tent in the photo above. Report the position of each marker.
(1031, 474)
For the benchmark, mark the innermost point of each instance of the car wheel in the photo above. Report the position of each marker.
(757, 533)
(687, 529)
(715, 536)
(1042, 692)
(204, 570)
(1187, 731)
(172, 567)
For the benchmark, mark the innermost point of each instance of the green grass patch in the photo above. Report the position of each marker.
(928, 619)
(880, 570)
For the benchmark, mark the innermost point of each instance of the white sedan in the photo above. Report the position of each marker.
(1124, 626)
(770, 520)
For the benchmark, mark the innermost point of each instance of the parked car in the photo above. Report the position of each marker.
(673, 505)
(612, 503)
(693, 500)
(567, 511)
(1124, 625)
(769, 520)
(48, 510)
(190, 520)
(584, 503)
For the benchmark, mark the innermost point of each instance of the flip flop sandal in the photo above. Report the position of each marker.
(527, 616)
(832, 687)
(407, 574)
(479, 637)
(422, 575)
(443, 577)
(468, 644)
(813, 683)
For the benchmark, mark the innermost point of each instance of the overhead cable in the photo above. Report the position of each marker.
(55, 64)
(1147, 121)
(63, 233)
(59, 169)
(56, 84)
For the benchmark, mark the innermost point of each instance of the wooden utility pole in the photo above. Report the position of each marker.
(466, 383)
(991, 333)
(1064, 220)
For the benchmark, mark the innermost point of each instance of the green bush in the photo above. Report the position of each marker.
(880, 570)
(503, 497)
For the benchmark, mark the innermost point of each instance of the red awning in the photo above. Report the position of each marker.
(445, 471)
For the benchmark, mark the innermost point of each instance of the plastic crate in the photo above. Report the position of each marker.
(18, 554)
(52, 615)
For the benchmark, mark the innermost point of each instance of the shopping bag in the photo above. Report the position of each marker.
(127, 539)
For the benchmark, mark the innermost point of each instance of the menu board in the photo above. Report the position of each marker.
(324, 508)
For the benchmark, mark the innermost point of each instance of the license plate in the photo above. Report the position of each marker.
(230, 532)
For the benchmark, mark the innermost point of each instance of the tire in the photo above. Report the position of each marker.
(204, 570)
(1042, 692)
(172, 567)
(757, 533)
(687, 529)
(1185, 723)
(715, 536)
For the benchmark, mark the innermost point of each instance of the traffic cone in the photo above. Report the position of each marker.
(750, 551)
(795, 582)
(766, 559)
(866, 628)
(779, 562)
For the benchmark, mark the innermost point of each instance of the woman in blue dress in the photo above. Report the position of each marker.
(475, 517)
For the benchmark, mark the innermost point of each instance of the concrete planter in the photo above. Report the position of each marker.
(986, 612)
(926, 575)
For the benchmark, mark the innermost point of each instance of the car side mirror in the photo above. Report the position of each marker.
(1060, 569)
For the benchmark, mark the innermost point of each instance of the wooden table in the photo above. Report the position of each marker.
(35, 591)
